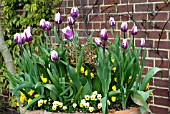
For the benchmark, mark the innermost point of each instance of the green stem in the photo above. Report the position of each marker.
(21, 50)
(30, 48)
(133, 43)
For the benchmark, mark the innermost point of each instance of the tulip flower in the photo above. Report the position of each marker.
(112, 21)
(48, 25)
(16, 37)
(70, 20)
(142, 42)
(21, 39)
(28, 35)
(98, 42)
(68, 33)
(42, 24)
(29, 29)
(134, 30)
(74, 12)
(124, 27)
(58, 18)
(124, 43)
(104, 34)
(54, 55)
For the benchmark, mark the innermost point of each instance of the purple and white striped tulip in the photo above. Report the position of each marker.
(29, 29)
(58, 18)
(28, 35)
(70, 20)
(54, 55)
(42, 24)
(124, 26)
(48, 25)
(98, 42)
(112, 21)
(16, 37)
(142, 42)
(21, 39)
(68, 33)
(74, 12)
(124, 43)
(104, 34)
(134, 30)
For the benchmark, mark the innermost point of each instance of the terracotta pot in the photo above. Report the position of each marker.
(129, 111)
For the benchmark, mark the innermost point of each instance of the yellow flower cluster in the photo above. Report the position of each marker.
(114, 88)
(22, 97)
(113, 99)
(31, 92)
(44, 80)
(41, 102)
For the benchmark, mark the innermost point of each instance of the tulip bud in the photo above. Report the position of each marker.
(74, 12)
(104, 34)
(112, 21)
(16, 37)
(98, 42)
(124, 26)
(70, 20)
(58, 18)
(28, 35)
(134, 30)
(124, 43)
(29, 29)
(54, 55)
(142, 42)
(48, 25)
(68, 33)
(42, 24)
(21, 39)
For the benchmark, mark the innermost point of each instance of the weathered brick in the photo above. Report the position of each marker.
(154, 53)
(163, 44)
(138, 1)
(125, 8)
(159, 92)
(159, 16)
(162, 7)
(143, 7)
(161, 64)
(158, 110)
(161, 101)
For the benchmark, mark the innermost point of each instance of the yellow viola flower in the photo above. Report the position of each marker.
(91, 109)
(29, 100)
(44, 80)
(60, 104)
(113, 60)
(70, 80)
(81, 105)
(56, 103)
(147, 86)
(92, 97)
(45, 101)
(86, 73)
(82, 70)
(75, 69)
(130, 77)
(40, 103)
(74, 105)
(114, 88)
(108, 102)
(64, 107)
(115, 79)
(22, 97)
(94, 93)
(113, 99)
(86, 105)
(31, 92)
(99, 106)
(87, 97)
(54, 107)
(92, 75)
(114, 69)
(36, 95)
(99, 96)
(83, 101)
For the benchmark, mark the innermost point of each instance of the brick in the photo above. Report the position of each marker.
(116, 17)
(159, 92)
(124, 1)
(82, 26)
(162, 7)
(82, 41)
(153, 53)
(166, 74)
(159, 16)
(149, 63)
(161, 101)
(96, 10)
(158, 110)
(155, 0)
(137, 1)
(91, 2)
(160, 25)
(155, 35)
(96, 25)
(161, 64)
(143, 7)
(163, 44)
(125, 17)
(96, 18)
(141, 16)
(148, 43)
(161, 83)
(70, 3)
(123, 8)
(108, 9)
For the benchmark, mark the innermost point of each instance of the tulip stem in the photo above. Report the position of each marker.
(133, 42)
(30, 48)
(59, 32)
(21, 51)
(104, 46)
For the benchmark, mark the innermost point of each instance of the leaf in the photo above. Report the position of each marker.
(138, 99)
(86, 89)
(145, 94)
(148, 76)
(142, 110)
(22, 85)
(104, 101)
(113, 93)
(56, 35)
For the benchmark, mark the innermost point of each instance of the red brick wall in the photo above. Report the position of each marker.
(155, 13)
